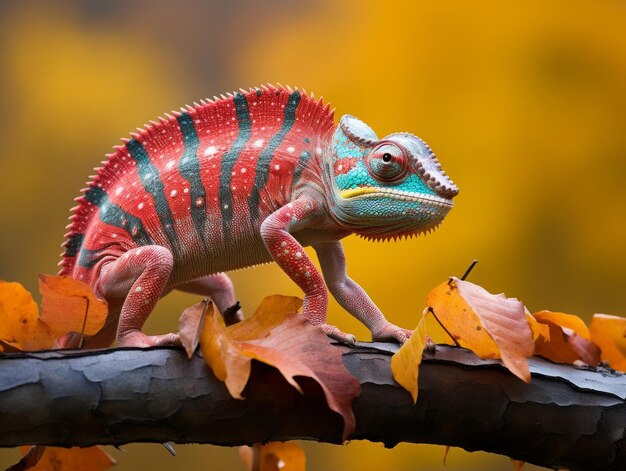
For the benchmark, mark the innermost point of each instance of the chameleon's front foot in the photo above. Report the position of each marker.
(389, 332)
(336, 334)
(136, 338)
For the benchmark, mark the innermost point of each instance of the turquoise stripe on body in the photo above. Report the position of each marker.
(189, 168)
(229, 159)
(151, 181)
(265, 158)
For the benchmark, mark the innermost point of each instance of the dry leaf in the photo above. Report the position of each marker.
(568, 339)
(285, 341)
(406, 361)
(275, 456)
(271, 312)
(31, 456)
(20, 325)
(72, 459)
(190, 325)
(539, 330)
(70, 305)
(569, 321)
(609, 333)
(492, 326)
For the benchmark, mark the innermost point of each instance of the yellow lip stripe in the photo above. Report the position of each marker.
(357, 191)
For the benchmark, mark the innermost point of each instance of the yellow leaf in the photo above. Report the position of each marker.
(19, 320)
(609, 333)
(274, 456)
(70, 305)
(287, 342)
(406, 361)
(492, 326)
(72, 459)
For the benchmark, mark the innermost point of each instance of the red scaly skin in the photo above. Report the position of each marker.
(226, 184)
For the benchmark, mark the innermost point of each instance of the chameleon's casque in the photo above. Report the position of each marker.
(244, 179)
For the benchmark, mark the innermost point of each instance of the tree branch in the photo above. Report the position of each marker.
(566, 417)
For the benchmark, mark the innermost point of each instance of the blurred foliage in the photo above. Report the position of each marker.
(523, 102)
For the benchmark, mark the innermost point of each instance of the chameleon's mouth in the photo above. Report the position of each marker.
(373, 192)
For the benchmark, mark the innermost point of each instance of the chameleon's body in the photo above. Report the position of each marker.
(241, 180)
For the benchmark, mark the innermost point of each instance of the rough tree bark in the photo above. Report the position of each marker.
(566, 417)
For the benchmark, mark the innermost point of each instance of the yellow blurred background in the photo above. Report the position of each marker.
(524, 104)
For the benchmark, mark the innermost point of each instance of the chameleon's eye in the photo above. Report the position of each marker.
(387, 163)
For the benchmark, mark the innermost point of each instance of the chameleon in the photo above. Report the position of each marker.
(243, 179)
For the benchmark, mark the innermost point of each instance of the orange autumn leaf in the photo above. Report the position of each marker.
(539, 330)
(405, 362)
(69, 305)
(285, 341)
(609, 333)
(271, 312)
(72, 459)
(274, 456)
(190, 326)
(568, 340)
(562, 319)
(20, 326)
(492, 326)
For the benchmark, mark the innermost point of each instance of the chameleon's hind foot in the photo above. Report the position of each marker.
(336, 334)
(391, 333)
(139, 339)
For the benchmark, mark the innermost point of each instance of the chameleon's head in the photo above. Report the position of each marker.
(386, 187)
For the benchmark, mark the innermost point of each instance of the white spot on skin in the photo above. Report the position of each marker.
(290, 149)
(211, 150)
(298, 254)
(138, 289)
(140, 206)
(243, 170)
(318, 151)
(307, 274)
(283, 244)
(114, 235)
(286, 251)
(170, 164)
(340, 167)
(258, 142)
(276, 167)
(119, 190)
(186, 190)
(173, 193)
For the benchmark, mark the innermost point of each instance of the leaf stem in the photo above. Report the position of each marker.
(432, 311)
(81, 344)
(469, 269)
